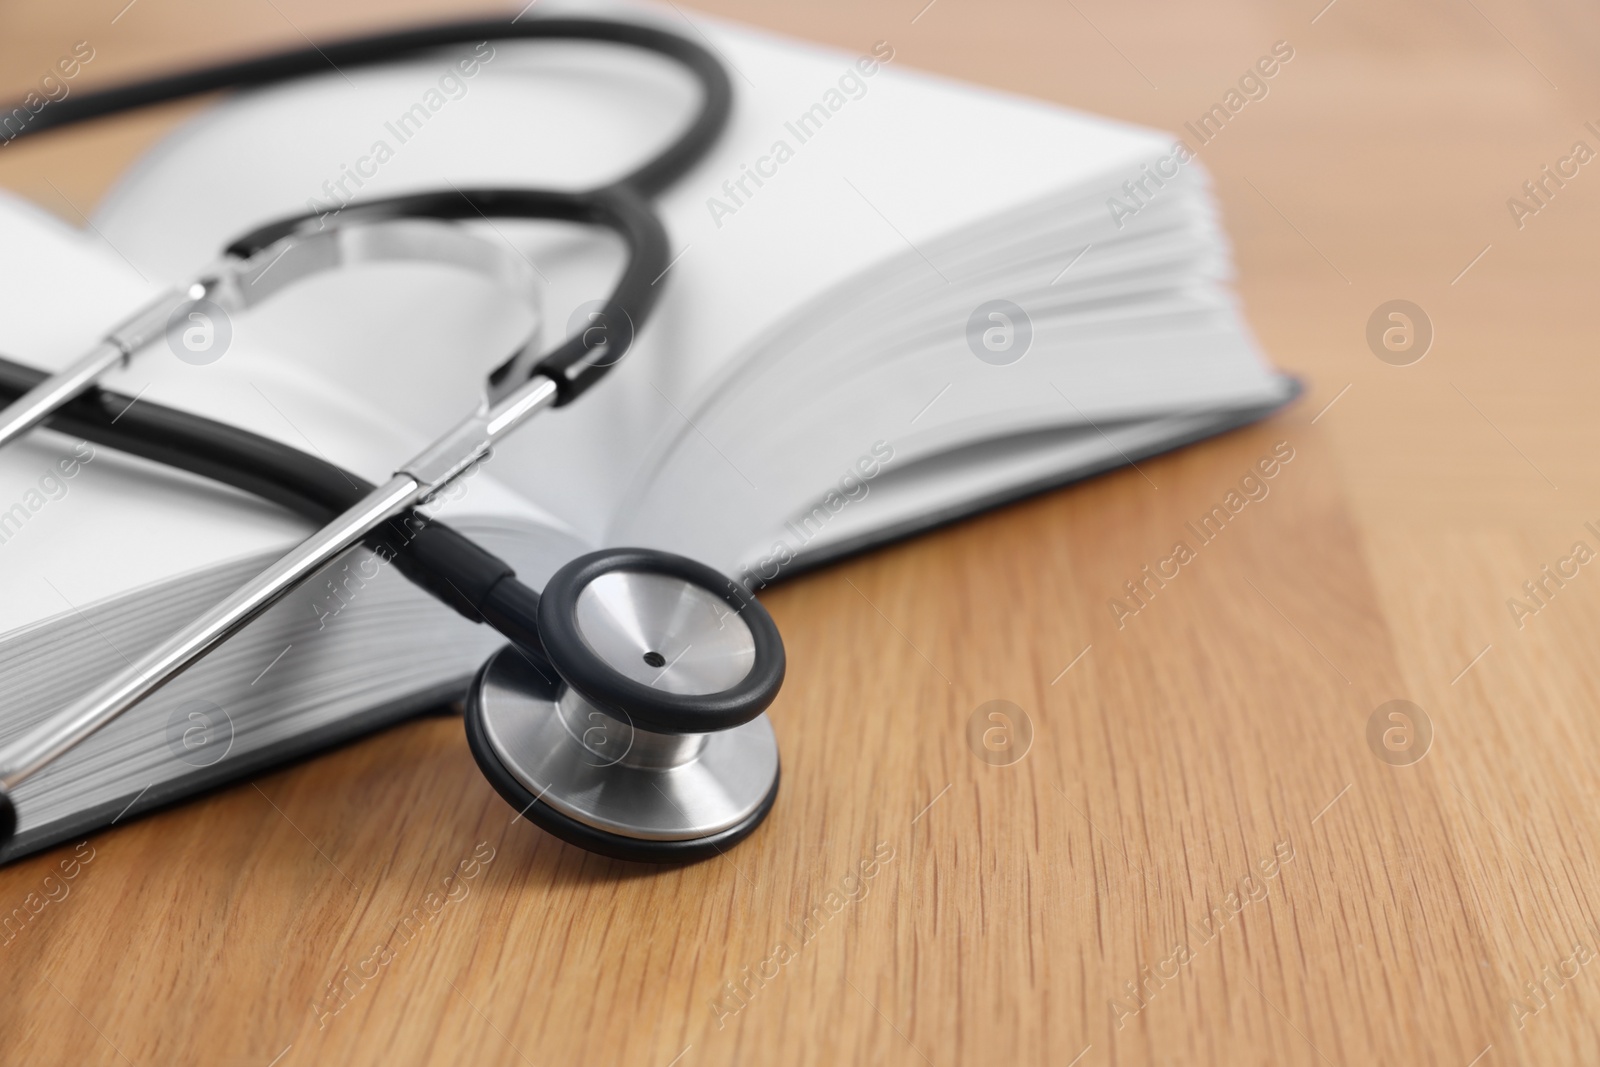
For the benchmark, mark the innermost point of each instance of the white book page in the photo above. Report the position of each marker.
(901, 160)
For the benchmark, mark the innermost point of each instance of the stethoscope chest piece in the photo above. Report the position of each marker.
(640, 734)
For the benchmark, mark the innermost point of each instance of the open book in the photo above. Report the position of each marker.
(896, 300)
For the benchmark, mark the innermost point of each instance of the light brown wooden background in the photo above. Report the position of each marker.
(1228, 717)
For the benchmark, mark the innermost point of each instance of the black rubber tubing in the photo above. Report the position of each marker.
(477, 584)
(575, 364)
(651, 178)
(622, 206)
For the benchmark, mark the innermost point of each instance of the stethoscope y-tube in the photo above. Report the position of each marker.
(639, 677)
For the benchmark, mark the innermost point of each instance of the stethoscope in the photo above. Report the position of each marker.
(626, 715)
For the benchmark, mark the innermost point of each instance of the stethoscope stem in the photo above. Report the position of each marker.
(118, 347)
(429, 472)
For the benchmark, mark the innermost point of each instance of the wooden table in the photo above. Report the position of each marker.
(1072, 907)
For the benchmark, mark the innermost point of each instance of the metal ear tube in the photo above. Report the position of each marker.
(236, 283)
(426, 474)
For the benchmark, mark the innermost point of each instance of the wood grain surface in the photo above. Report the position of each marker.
(1200, 858)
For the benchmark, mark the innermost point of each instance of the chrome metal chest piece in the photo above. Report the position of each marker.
(640, 734)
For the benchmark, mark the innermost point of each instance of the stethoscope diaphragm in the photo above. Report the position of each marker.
(639, 734)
